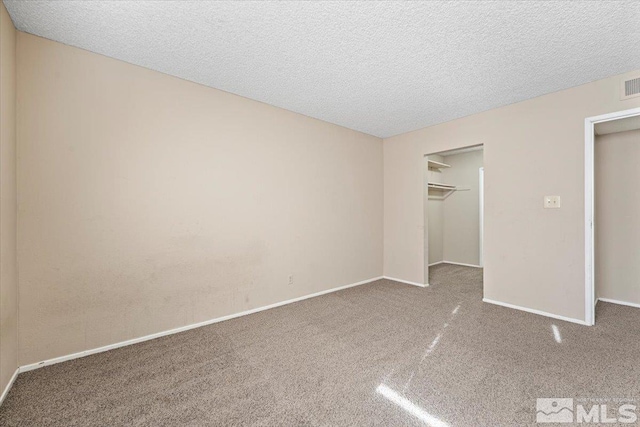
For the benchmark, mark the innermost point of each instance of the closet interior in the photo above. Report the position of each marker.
(617, 211)
(453, 214)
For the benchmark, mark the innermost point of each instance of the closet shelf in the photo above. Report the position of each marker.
(445, 189)
(437, 165)
(442, 187)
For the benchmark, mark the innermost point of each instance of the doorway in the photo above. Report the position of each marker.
(610, 143)
(453, 208)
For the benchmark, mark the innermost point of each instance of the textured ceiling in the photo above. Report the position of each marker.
(383, 68)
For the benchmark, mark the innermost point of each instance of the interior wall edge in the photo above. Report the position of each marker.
(8, 206)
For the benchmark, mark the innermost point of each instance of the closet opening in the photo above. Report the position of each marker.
(612, 212)
(453, 213)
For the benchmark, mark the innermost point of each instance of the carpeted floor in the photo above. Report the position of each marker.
(379, 354)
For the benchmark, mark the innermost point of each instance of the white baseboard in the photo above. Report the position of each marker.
(615, 301)
(8, 387)
(462, 264)
(60, 359)
(435, 263)
(406, 282)
(539, 312)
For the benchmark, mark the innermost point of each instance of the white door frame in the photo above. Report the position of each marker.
(425, 216)
(589, 206)
(481, 196)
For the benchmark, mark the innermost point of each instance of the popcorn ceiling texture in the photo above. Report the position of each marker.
(380, 68)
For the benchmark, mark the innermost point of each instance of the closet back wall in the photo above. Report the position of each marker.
(454, 222)
(462, 209)
(148, 202)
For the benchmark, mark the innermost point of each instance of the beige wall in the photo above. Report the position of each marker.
(461, 225)
(8, 211)
(148, 202)
(436, 229)
(533, 257)
(617, 217)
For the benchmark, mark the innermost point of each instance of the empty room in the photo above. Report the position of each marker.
(319, 213)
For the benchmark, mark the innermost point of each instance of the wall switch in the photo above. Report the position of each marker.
(551, 202)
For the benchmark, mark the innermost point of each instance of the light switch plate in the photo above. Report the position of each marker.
(551, 202)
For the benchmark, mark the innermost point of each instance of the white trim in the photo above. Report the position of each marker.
(615, 301)
(462, 264)
(5, 392)
(589, 186)
(55, 360)
(589, 204)
(425, 225)
(435, 263)
(406, 282)
(481, 230)
(615, 116)
(531, 310)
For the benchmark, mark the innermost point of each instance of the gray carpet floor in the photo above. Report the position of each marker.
(383, 354)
